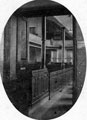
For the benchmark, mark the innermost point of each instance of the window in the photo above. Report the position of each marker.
(33, 30)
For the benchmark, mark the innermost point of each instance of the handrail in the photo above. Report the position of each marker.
(62, 70)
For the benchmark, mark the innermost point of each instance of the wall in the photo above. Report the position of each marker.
(10, 49)
(22, 40)
(13, 48)
(81, 60)
(70, 56)
(6, 70)
(16, 43)
(57, 56)
(1, 55)
(35, 54)
(36, 22)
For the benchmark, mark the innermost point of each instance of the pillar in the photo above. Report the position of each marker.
(43, 56)
(28, 43)
(63, 47)
(57, 55)
(51, 56)
(74, 60)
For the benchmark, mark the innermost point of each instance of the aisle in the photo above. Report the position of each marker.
(58, 105)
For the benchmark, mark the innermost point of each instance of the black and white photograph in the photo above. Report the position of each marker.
(43, 59)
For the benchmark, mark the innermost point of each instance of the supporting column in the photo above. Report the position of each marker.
(74, 60)
(51, 56)
(63, 47)
(57, 56)
(43, 59)
(28, 44)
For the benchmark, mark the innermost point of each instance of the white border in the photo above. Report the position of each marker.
(79, 110)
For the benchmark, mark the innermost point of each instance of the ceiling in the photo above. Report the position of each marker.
(42, 8)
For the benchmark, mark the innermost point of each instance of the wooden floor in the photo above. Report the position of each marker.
(60, 103)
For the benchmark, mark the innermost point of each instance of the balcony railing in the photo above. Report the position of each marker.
(36, 39)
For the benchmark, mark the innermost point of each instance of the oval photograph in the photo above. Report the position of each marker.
(43, 63)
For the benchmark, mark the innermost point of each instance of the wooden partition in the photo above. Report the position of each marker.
(39, 83)
(41, 79)
(60, 78)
